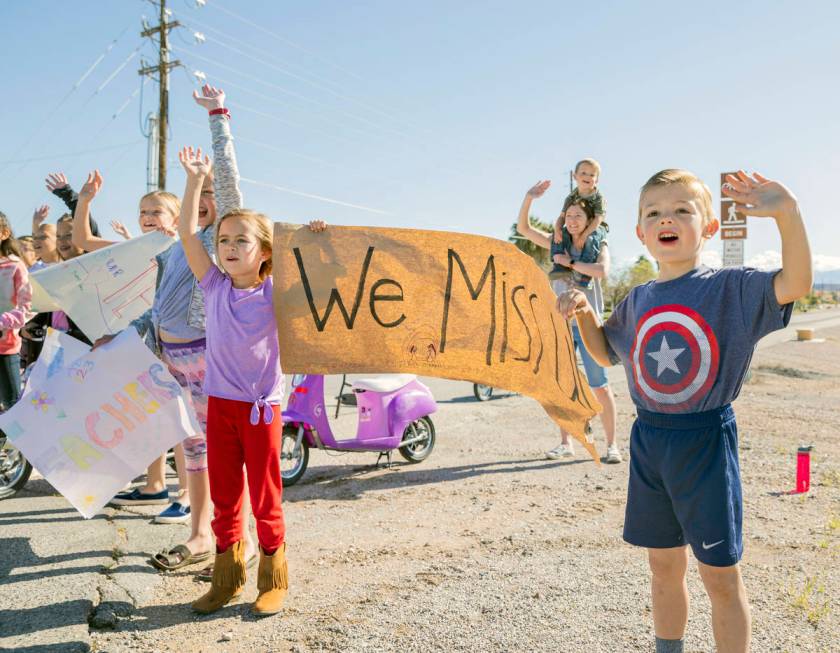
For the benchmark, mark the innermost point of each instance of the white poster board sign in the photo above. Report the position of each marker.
(100, 421)
(106, 289)
(59, 352)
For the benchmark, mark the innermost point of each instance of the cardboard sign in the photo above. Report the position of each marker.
(106, 289)
(733, 233)
(373, 300)
(98, 421)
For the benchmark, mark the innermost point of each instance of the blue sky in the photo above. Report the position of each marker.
(435, 115)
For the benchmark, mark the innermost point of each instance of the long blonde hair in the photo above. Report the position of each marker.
(264, 229)
(170, 201)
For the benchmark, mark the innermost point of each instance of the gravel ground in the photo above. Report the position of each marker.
(487, 546)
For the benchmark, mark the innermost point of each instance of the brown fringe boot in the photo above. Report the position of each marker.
(228, 580)
(272, 582)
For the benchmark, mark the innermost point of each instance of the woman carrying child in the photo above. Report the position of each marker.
(578, 217)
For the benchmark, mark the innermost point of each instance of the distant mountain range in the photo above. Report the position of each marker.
(828, 277)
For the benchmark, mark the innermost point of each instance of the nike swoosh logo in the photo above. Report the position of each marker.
(709, 546)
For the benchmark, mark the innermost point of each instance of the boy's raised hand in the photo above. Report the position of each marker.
(758, 196)
(211, 97)
(195, 166)
(91, 186)
(40, 215)
(569, 302)
(539, 188)
(317, 225)
(56, 180)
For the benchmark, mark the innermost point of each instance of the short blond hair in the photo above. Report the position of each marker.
(591, 162)
(263, 227)
(170, 201)
(683, 178)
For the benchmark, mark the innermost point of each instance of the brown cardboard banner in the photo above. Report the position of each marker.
(457, 306)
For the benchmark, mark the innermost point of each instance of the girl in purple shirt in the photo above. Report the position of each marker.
(244, 385)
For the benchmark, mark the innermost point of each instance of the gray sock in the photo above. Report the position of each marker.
(669, 645)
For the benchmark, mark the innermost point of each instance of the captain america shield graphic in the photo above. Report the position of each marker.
(675, 358)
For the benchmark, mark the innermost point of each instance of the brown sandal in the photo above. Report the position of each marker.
(178, 556)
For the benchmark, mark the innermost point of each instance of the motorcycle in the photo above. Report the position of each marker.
(14, 468)
(393, 413)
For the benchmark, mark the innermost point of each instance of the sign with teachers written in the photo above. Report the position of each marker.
(361, 300)
(106, 289)
(97, 421)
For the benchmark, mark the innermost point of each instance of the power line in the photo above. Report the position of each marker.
(115, 72)
(71, 154)
(205, 26)
(377, 126)
(285, 41)
(69, 93)
(320, 198)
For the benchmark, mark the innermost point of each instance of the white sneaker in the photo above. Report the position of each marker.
(563, 451)
(613, 454)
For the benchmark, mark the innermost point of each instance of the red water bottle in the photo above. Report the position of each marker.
(803, 468)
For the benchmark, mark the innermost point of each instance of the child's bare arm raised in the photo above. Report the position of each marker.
(197, 169)
(761, 197)
(82, 235)
(573, 303)
(523, 224)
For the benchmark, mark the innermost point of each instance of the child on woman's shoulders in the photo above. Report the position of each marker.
(586, 196)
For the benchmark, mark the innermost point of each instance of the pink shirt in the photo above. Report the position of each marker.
(243, 354)
(15, 303)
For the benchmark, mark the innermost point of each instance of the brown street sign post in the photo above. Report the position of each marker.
(733, 228)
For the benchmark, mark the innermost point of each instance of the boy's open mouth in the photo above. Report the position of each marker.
(667, 237)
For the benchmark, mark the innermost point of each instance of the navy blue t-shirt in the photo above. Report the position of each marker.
(686, 344)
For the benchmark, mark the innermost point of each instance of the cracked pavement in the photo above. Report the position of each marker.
(60, 573)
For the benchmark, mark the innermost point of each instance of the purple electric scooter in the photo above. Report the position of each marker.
(393, 411)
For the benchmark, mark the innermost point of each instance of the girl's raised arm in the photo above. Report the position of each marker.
(197, 169)
(82, 233)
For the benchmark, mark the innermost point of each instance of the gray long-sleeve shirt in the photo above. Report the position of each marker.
(178, 306)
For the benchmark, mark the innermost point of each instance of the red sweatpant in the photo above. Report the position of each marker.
(232, 441)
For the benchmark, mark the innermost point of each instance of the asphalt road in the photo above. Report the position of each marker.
(59, 572)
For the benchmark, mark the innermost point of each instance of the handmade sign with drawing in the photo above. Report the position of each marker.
(106, 289)
(372, 300)
(97, 421)
(58, 352)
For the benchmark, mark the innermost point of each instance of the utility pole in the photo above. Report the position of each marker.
(162, 70)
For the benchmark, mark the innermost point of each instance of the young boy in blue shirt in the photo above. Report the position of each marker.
(686, 340)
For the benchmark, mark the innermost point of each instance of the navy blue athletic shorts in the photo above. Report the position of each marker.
(685, 484)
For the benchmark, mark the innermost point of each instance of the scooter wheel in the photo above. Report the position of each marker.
(14, 471)
(292, 463)
(418, 450)
(482, 392)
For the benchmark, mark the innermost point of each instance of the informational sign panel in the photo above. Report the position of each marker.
(733, 228)
(729, 216)
(733, 233)
(733, 253)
